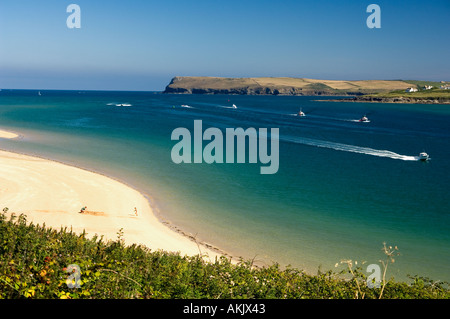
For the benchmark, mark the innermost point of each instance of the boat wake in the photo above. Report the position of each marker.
(332, 118)
(119, 104)
(226, 106)
(295, 114)
(350, 148)
(357, 121)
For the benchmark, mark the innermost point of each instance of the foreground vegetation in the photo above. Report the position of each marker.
(39, 262)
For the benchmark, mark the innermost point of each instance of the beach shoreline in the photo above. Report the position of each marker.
(55, 192)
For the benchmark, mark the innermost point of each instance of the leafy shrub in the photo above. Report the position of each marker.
(34, 263)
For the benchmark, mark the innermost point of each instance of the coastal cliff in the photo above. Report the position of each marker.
(279, 86)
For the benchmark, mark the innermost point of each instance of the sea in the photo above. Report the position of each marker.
(343, 187)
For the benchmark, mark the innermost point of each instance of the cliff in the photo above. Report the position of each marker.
(279, 86)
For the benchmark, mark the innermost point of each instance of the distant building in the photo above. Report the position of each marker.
(409, 90)
(445, 87)
(428, 87)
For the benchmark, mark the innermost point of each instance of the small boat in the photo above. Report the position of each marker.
(301, 113)
(364, 119)
(234, 106)
(39, 93)
(424, 156)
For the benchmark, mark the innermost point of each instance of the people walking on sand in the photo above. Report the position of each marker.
(83, 209)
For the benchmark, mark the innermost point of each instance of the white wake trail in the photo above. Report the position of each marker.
(351, 148)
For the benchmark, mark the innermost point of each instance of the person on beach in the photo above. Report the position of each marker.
(135, 211)
(83, 209)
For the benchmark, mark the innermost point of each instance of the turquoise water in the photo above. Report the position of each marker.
(342, 188)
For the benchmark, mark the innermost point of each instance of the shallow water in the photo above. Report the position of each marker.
(342, 189)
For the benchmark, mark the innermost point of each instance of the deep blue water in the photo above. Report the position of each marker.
(342, 188)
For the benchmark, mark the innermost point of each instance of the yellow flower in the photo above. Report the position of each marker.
(64, 295)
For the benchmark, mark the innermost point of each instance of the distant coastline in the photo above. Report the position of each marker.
(282, 86)
(432, 96)
(377, 91)
(406, 100)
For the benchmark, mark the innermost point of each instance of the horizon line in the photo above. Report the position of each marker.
(224, 77)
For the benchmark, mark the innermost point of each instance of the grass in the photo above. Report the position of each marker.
(421, 84)
(433, 94)
(320, 87)
(39, 262)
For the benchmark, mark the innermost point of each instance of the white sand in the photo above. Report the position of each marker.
(53, 193)
(5, 134)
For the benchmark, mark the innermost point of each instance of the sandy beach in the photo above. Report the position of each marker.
(53, 193)
(6, 134)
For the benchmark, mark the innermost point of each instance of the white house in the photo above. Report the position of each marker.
(409, 90)
(445, 87)
(428, 87)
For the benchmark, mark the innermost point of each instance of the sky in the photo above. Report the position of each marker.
(141, 44)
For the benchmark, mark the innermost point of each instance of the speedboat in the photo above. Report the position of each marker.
(300, 113)
(423, 156)
(364, 119)
(234, 106)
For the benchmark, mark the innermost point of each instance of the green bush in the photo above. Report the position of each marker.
(34, 263)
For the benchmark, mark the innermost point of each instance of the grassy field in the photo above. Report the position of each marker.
(369, 85)
(421, 84)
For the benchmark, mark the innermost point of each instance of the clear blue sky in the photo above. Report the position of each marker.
(142, 44)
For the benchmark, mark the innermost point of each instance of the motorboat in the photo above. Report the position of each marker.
(234, 106)
(424, 156)
(301, 113)
(364, 119)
